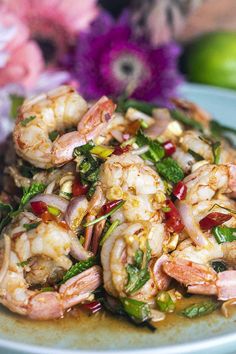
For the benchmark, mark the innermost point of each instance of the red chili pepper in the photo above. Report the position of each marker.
(93, 307)
(213, 219)
(121, 150)
(180, 191)
(78, 188)
(173, 219)
(106, 208)
(169, 147)
(38, 207)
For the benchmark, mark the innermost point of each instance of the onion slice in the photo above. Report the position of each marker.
(76, 211)
(77, 250)
(6, 259)
(52, 200)
(191, 226)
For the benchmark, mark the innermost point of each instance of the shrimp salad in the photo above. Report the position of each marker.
(118, 206)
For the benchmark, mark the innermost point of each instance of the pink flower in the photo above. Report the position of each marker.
(54, 23)
(20, 59)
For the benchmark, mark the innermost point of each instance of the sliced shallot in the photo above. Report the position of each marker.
(52, 200)
(191, 226)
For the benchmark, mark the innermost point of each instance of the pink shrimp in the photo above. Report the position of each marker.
(89, 127)
(50, 304)
(201, 279)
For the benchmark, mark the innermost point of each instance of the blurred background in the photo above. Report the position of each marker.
(131, 48)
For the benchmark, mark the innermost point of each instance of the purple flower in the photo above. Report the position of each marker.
(109, 60)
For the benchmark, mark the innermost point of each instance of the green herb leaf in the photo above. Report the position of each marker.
(16, 102)
(27, 120)
(216, 149)
(23, 264)
(83, 149)
(28, 170)
(170, 170)
(138, 310)
(118, 206)
(201, 309)
(155, 152)
(53, 135)
(138, 274)
(183, 118)
(6, 210)
(219, 266)
(29, 193)
(112, 227)
(31, 226)
(164, 302)
(78, 268)
(224, 234)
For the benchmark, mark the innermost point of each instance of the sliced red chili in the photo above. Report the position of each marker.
(169, 148)
(173, 219)
(213, 219)
(121, 150)
(180, 191)
(93, 307)
(78, 188)
(106, 208)
(38, 207)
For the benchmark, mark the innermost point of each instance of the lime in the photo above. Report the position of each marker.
(211, 59)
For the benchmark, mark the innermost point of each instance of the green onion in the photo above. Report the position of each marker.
(182, 118)
(109, 231)
(49, 288)
(138, 310)
(164, 302)
(78, 268)
(31, 226)
(216, 149)
(141, 106)
(53, 211)
(224, 234)
(118, 206)
(195, 155)
(143, 124)
(169, 169)
(53, 135)
(218, 129)
(101, 151)
(27, 120)
(201, 309)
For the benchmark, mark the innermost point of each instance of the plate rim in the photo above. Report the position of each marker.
(194, 346)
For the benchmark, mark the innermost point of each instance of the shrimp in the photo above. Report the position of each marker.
(201, 279)
(193, 110)
(41, 115)
(93, 123)
(17, 297)
(119, 251)
(204, 184)
(139, 185)
(45, 246)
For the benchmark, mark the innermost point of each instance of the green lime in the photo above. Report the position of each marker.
(211, 59)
